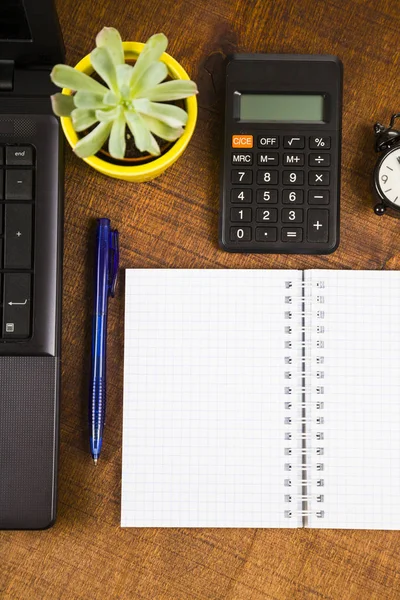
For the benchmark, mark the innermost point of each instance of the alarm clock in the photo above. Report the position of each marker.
(386, 178)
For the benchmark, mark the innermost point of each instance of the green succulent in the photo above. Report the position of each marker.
(130, 96)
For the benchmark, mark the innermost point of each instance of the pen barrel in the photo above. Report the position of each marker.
(97, 409)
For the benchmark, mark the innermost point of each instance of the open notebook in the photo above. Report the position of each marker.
(262, 399)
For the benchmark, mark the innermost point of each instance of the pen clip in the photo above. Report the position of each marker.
(114, 261)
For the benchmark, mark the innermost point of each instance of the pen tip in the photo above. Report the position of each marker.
(95, 462)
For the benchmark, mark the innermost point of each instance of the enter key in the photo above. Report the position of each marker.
(17, 305)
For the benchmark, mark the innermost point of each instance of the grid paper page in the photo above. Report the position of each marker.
(203, 432)
(361, 400)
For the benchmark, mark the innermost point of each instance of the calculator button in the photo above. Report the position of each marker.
(242, 158)
(241, 214)
(267, 215)
(319, 160)
(293, 142)
(295, 160)
(292, 234)
(242, 141)
(319, 142)
(266, 234)
(241, 196)
(269, 177)
(293, 177)
(267, 142)
(292, 215)
(268, 159)
(318, 197)
(267, 196)
(241, 176)
(293, 197)
(317, 225)
(318, 178)
(240, 234)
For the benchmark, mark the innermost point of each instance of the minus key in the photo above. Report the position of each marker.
(318, 197)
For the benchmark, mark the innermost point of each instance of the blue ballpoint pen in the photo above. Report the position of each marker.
(106, 270)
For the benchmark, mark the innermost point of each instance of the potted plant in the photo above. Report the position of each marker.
(127, 109)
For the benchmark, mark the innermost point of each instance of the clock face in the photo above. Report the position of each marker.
(388, 177)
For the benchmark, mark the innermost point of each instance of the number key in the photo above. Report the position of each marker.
(269, 215)
(293, 197)
(242, 176)
(241, 214)
(269, 196)
(292, 215)
(240, 234)
(239, 196)
(293, 177)
(267, 177)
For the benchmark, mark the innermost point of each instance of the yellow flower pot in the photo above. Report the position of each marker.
(156, 167)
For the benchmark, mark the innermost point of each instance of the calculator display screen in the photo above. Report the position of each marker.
(281, 107)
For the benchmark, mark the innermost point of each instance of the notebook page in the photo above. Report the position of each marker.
(203, 431)
(361, 399)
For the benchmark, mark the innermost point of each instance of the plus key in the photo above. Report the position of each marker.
(318, 225)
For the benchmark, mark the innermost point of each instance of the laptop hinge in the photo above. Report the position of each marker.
(6, 75)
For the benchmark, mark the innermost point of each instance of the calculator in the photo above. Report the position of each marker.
(280, 189)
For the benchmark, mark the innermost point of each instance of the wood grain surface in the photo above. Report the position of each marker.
(172, 222)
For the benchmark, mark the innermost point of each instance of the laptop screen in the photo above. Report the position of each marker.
(13, 21)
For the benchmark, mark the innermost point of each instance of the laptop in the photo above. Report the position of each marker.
(31, 226)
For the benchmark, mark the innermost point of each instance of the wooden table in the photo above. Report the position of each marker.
(172, 222)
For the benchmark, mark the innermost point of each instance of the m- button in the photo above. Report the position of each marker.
(242, 158)
(242, 141)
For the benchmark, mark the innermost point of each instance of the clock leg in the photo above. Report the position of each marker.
(380, 209)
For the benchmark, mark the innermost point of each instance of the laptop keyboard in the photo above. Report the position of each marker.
(16, 240)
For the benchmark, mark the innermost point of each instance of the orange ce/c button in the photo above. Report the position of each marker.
(242, 141)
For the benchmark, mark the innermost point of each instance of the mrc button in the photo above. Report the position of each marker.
(242, 158)
(242, 141)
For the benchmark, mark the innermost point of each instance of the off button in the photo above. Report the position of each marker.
(242, 141)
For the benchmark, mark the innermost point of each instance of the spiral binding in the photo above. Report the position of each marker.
(306, 449)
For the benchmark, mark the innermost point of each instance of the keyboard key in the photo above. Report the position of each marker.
(292, 234)
(292, 215)
(267, 177)
(267, 215)
(1, 185)
(269, 159)
(1, 155)
(241, 196)
(318, 225)
(242, 158)
(319, 160)
(318, 197)
(293, 177)
(244, 176)
(17, 305)
(320, 142)
(241, 214)
(318, 178)
(1, 219)
(18, 236)
(293, 197)
(267, 196)
(293, 160)
(266, 234)
(19, 156)
(267, 142)
(293, 142)
(18, 184)
(240, 234)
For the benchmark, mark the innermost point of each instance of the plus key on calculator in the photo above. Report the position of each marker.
(280, 188)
